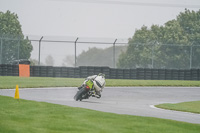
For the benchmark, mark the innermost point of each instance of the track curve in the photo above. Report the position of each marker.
(121, 100)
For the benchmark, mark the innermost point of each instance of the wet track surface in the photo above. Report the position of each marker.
(121, 100)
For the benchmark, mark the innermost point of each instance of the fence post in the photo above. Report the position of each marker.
(190, 57)
(39, 49)
(1, 50)
(114, 53)
(152, 56)
(18, 49)
(75, 49)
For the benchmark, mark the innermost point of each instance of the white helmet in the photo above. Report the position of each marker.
(99, 82)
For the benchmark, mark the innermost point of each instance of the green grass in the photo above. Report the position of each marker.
(7, 82)
(193, 107)
(23, 116)
(35, 82)
(124, 82)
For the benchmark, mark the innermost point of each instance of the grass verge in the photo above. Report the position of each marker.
(23, 116)
(193, 107)
(9, 82)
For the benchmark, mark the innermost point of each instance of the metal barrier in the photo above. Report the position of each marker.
(111, 73)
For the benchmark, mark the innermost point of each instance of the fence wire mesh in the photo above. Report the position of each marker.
(75, 51)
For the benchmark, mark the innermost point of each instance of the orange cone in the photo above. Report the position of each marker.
(17, 92)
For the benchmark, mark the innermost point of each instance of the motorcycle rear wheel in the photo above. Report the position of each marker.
(79, 94)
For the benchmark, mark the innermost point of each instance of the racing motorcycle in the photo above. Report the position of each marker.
(85, 91)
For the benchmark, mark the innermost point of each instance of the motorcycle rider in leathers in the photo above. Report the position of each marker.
(99, 84)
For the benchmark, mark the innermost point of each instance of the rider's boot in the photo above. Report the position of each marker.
(97, 95)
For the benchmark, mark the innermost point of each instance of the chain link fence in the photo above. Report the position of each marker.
(166, 56)
(9, 49)
(71, 52)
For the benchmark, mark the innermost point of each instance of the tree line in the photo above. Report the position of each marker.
(99, 57)
(173, 45)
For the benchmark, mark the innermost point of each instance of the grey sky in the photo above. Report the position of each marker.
(81, 18)
(91, 18)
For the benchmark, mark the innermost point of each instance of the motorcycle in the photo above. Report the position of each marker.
(85, 91)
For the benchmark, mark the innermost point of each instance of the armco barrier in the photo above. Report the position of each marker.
(111, 73)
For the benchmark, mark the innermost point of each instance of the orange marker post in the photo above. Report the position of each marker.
(24, 70)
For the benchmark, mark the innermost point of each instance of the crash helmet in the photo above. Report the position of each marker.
(99, 82)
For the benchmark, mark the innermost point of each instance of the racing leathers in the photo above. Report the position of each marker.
(99, 84)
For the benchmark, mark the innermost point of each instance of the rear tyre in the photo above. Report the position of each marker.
(79, 94)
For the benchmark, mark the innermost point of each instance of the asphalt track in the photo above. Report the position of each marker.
(138, 101)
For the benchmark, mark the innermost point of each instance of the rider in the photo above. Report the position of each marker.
(99, 84)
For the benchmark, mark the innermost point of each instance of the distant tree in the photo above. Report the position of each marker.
(99, 57)
(33, 62)
(162, 46)
(68, 61)
(13, 44)
(49, 61)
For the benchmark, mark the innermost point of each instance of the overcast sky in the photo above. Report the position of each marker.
(93, 18)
